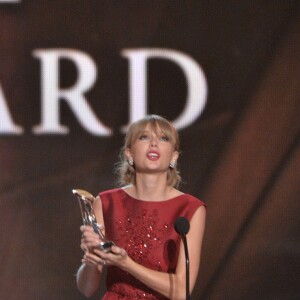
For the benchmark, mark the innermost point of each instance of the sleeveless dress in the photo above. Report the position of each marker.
(145, 229)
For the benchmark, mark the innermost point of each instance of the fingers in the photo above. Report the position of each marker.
(116, 257)
(102, 262)
(89, 228)
(86, 228)
(86, 261)
(118, 251)
(89, 239)
(93, 259)
(88, 231)
(93, 255)
(84, 247)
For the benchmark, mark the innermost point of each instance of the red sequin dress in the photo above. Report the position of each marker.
(146, 231)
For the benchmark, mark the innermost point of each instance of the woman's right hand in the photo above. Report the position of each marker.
(89, 239)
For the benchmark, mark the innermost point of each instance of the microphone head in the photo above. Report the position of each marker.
(182, 225)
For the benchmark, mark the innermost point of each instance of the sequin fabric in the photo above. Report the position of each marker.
(145, 230)
(143, 234)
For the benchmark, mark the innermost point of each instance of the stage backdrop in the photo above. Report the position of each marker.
(74, 74)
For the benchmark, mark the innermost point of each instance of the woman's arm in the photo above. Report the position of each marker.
(89, 274)
(169, 285)
(88, 279)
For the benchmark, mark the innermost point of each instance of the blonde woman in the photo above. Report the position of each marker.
(148, 261)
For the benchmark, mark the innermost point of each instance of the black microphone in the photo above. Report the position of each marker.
(182, 227)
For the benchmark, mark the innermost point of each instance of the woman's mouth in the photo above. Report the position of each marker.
(153, 155)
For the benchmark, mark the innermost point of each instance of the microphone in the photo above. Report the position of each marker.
(182, 227)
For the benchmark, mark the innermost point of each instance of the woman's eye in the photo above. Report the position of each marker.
(164, 138)
(143, 137)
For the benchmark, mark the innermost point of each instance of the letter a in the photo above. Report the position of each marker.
(7, 125)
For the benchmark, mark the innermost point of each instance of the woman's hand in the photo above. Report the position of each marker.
(117, 257)
(89, 239)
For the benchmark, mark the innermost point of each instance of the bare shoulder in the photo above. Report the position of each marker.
(200, 212)
(199, 217)
(97, 204)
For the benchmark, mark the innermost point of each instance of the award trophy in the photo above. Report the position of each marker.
(85, 200)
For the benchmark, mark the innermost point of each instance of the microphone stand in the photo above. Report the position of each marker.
(182, 227)
(187, 266)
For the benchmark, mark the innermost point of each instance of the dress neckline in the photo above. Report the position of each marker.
(148, 201)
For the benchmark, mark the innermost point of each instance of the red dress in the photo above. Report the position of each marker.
(146, 231)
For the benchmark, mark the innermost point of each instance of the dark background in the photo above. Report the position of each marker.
(241, 157)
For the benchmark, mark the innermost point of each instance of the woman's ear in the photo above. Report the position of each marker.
(127, 153)
(175, 156)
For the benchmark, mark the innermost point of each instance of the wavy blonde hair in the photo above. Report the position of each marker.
(125, 172)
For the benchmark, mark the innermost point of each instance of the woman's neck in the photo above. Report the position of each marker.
(152, 187)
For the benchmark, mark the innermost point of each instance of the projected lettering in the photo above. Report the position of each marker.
(74, 96)
(10, 1)
(52, 94)
(7, 124)
(197, 86)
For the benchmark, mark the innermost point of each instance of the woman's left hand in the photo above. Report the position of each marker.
(117, 257)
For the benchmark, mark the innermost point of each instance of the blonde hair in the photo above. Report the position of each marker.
(124, 171)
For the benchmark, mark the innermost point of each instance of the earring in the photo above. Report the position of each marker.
(130, 161)
(172, 164)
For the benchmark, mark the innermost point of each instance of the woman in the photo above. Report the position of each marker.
(148, 261)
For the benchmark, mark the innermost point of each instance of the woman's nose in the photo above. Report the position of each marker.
(153, 141)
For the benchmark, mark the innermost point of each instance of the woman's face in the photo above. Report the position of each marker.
(152, 152)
